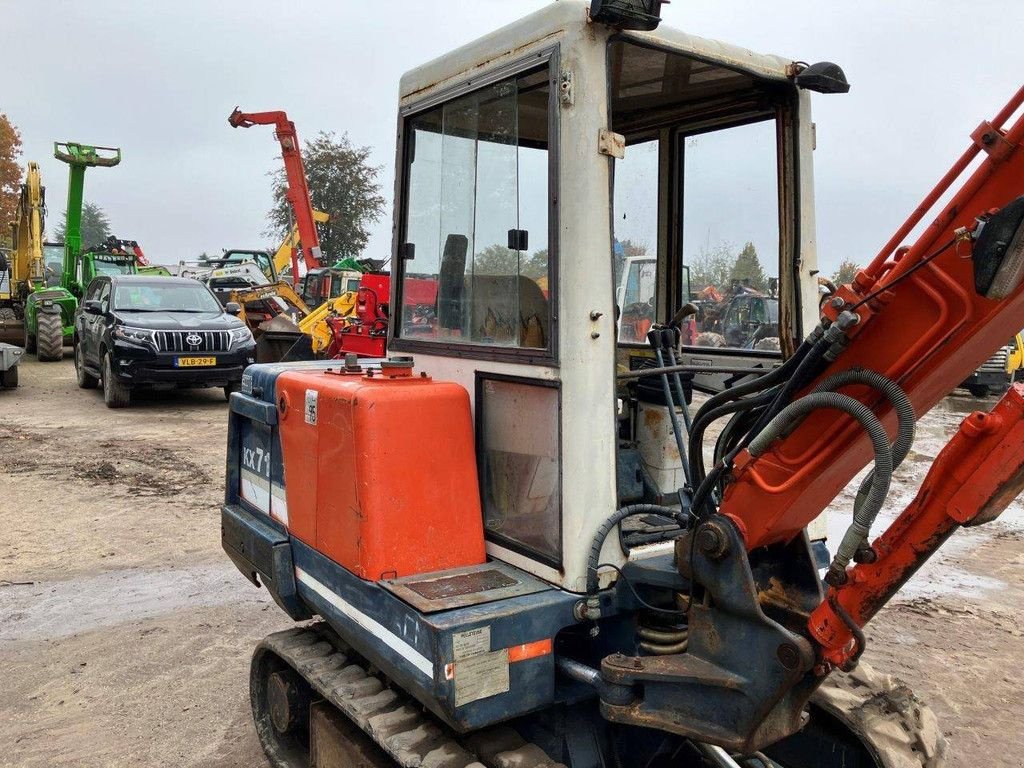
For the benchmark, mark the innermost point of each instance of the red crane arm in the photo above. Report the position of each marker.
(298, 189)
(923, 325)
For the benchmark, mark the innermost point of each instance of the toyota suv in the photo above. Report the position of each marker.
(136, 331)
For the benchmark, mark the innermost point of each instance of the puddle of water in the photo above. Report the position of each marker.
(63, 608)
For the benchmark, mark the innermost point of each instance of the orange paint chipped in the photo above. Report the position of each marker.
(529, 650)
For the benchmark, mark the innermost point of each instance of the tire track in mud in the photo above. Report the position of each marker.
(136, 465)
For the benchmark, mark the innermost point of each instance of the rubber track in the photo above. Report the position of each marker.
(395, 721)
(886, 714)
(49, 336)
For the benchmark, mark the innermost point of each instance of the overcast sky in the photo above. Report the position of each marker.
(158, 79)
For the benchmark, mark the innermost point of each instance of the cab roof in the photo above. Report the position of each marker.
(547, 25)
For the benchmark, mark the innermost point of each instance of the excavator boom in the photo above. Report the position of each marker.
(297, 190)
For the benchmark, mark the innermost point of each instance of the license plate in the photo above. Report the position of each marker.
(194, 362)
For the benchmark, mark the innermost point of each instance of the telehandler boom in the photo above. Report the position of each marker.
(49, 312)
(521, 556)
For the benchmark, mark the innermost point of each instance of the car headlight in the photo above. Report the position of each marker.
(135, 335)
(240, 336)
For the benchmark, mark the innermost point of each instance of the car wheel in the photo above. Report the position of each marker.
(228, 390)
(979, 390)
(85, 379)
(115, 394)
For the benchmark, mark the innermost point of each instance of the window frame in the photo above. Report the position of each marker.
(467, 350)
(785, 117)
(512, 545)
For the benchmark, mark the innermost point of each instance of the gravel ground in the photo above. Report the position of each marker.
(125, 633)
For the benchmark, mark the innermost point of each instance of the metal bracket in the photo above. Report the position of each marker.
(611, 144)
(992, 140)
(566, 93)
(744, 679)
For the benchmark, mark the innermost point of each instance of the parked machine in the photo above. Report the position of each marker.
(23, 270)
(326, 291)
(996, 374)
(500, 580)
(49, 311)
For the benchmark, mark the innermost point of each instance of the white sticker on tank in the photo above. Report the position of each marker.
(311, 398)
(481, 676)
(471, 643)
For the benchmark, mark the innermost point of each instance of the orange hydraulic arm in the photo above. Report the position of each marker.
(298, 190)
(919, 320)
(924, 317)
(971, 481)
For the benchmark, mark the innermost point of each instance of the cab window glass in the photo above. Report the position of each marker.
(519, 466)
(730, 232)
(635, 245)
(475, 227)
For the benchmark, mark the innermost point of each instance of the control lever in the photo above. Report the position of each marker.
(660, 339)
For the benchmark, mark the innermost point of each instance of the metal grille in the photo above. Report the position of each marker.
(181, 341)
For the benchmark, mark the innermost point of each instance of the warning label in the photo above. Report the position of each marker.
(471, 643)
(478, 677)
(310, 410)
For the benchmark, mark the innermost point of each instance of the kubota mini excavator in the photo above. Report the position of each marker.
(530, 552)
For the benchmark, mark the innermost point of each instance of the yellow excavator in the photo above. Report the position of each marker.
(283, 256)
(25, 268)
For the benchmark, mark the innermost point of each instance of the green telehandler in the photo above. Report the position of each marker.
(49, 312)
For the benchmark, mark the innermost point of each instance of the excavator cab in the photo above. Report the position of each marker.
(507, 527)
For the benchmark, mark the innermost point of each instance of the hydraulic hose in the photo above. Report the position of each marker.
(901, 404)
(863, 517)
(617, 517)
(705, 419)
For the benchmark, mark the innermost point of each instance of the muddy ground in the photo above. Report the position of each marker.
(125, 633)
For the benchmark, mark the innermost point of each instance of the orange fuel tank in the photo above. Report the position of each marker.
(380, 469)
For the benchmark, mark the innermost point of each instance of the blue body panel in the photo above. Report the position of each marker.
(415, 649)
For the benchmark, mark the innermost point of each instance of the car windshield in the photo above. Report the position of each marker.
(169, 297)
(113, 267)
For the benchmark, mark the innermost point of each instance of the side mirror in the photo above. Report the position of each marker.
(823, 77)
(233, 308)
(93, 307)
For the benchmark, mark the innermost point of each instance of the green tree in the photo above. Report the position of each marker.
(848, 270)
(95, 225)
(10, 175)
(712, 267)
(499, 260)
(341, 183)
(747, 269)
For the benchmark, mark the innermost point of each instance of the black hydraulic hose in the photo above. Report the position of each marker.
(617, 517)
(863, 518)
(905, 417)
(769, 379)
(704, 419)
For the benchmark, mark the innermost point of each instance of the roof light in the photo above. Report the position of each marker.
(643, 15)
